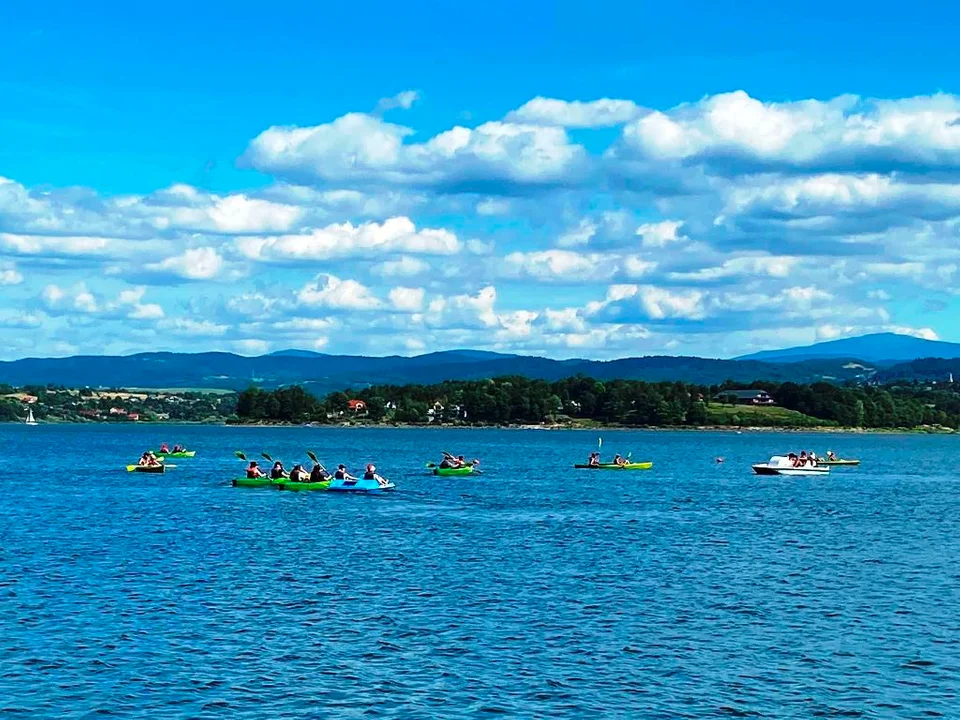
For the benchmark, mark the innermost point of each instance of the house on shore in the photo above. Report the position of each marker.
(745, 397)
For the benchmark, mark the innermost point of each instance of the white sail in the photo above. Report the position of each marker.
(30, 420)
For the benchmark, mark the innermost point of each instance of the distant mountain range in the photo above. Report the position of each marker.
(872, 356)
(880, 348)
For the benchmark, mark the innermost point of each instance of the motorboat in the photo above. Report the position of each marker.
(782, 465)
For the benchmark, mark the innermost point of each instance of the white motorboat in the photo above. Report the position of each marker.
(780, 465)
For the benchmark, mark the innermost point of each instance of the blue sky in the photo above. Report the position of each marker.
(633, 179)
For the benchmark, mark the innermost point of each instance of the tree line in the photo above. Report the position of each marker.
(520, 400)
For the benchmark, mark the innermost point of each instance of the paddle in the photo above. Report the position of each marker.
(240, 455)
(314, 458)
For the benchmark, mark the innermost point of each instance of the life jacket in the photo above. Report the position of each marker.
(252, 473)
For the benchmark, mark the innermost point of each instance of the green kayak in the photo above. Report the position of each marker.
(323, 485)
(184, 454)
(257, 482)
(467, 470)
(838, 461)
(613, 466)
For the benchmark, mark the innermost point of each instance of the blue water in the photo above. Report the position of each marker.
(692, 590)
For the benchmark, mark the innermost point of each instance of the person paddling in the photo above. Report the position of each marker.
(342, 474)
(164, 448)
(619, 460)
(278, 473)
(254, 471)
(318, 474)
(371, 474)
(298, 474)
(594, 460)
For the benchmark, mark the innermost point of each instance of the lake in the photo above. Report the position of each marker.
(692, 590)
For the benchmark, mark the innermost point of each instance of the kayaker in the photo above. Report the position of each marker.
(318, 474)
(164, 448)
(831, 455)
(449, 461)
(619, 460)
(461, 462)
(178, 448)
(144, 459)
(342, 474)
(278, 472)
(298, 474)
(371, 474)
(254, 471)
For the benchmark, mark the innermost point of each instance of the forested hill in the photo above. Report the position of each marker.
(324, 373)
(518, 400)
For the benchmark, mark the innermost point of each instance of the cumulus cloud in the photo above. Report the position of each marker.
(403, 266)
(407, 299)
(576, 114)
(202, 263)
(396, 235)
(723, 223)
(361, 149)
(332, 293)
(9, 275)
(735, 132)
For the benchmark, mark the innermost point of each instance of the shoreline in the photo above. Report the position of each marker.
(824, 430)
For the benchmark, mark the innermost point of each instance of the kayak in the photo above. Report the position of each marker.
(612, 466)
(838, 461)
(147, 468)
(359, 486)
(184, 454)
(322, 485)
(466, 470)
(257, 482)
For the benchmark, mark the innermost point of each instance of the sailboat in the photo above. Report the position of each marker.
(30, 419)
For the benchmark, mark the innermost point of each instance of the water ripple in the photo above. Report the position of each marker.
(691, 591)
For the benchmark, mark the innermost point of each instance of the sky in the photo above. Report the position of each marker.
(599, 181)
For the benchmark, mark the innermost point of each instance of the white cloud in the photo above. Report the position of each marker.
(203, 263)
(396, 235)
(330, 292)
(407, 299)
(186, 207)
(251, 346)
(9, 275)
(53, 245)
(576, 114)
(839, 134)
(404, 266)
(659, 303)
(402, 100)
(660, 234)
(358, 148)
(193, 328)
(555, 265)
(776, 266)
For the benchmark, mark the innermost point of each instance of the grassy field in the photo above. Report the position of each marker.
(718, 414)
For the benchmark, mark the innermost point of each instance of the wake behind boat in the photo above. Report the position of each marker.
(781, 465)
